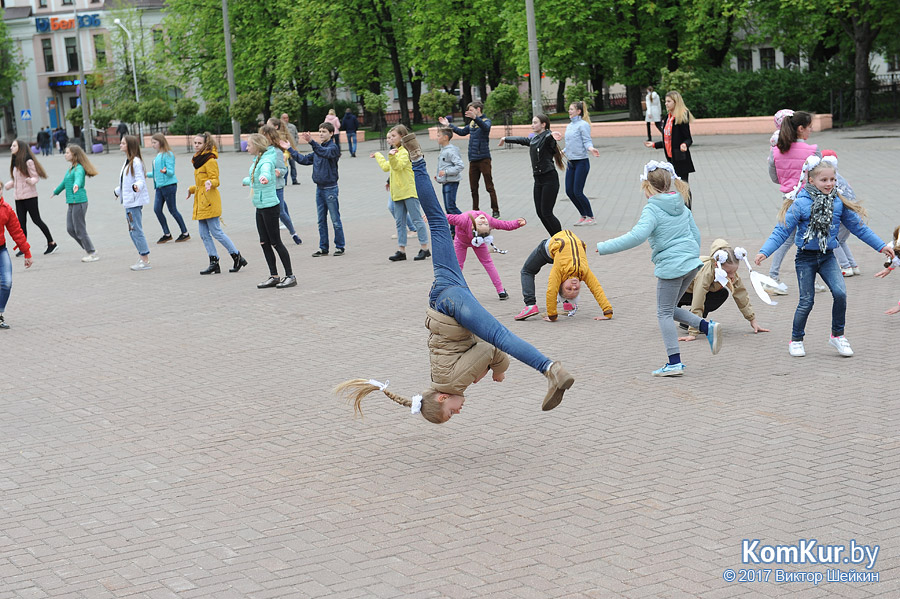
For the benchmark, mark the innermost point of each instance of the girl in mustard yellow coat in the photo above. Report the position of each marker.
(208, 204)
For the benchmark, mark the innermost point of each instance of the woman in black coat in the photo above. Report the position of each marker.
(676, 130)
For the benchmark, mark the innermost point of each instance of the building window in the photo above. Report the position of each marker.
(42, 4)
(100, 50)
(71, 54)
(791, 61)
(893, 63)
(47, 46)
(744, 61)
(157, 37)
(767, 58)
(67, 2)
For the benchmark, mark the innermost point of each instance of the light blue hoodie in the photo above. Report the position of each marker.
(674, 238)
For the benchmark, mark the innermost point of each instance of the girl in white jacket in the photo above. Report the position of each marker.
(132, 193)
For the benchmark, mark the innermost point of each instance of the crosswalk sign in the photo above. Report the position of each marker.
(26, 115)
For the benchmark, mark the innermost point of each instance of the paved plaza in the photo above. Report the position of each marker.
(166, 435)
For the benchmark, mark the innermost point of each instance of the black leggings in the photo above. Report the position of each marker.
(714, 300)
(30, 206)
(270, 239)
(546, 188)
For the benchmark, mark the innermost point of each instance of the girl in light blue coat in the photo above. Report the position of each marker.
(166, 184)
(579, 148)
(675, 241)
(268, 209)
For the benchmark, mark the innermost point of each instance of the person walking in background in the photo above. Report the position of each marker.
(166, 185)
(26, 171)
(76, 199)
(579, 148)
(336, 123)
(295, 139)
(479, 132)
(208, 204)
(677, 139)
(132, 193)
(43, 139)
(350, 125)
(122, 130)
(654, 110)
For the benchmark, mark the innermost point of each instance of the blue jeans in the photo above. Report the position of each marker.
(293, 165)
(842, 251)
(808, 263)
(448, 190)
(450, 294)
(327, 202)
(5, 278)
(778, 255)
(576, 175)
(284, 215)
(209, 228)
(165, 195)
(351, 142)
(409, 223)
(409, 209)
(134, 216)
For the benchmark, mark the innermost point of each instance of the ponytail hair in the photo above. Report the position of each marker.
(583, 109)
(788, 133)
(660, 181)
(557, 153)
(356, 389)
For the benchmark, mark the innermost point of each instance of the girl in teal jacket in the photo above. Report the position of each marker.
(76, 198)
(268, 209)
(166, 184)
(675, 241)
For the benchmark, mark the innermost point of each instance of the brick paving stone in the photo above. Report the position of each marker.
(166, 434)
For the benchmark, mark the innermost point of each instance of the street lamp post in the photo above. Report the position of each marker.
(137, 93)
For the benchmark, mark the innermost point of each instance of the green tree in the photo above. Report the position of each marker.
(247, 108)
(217, 111)
(102, 118)
(502, 102)
(286, 102)
(127, 111)
(185, 107)
(75, 116)
(155, 111)
(436, 103)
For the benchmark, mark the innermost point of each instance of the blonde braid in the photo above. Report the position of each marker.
(357, 389)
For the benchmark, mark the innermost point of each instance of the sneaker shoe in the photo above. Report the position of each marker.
(320, 252)
(580, 222)
(568, 306)
(51, 248)
(842, 345)
(339, 252)
(296, 239)
(183, 237)
(394, 236)
(560, 380)
(3, 324)
(503, 295)
(270, 282)
(91, 257)
(820, 287)
(163, 239)
(495, 214)
(19, 254)
(670, 370)
(290, 281)
(856, 270)
(397, 257)
(795, 348)
(140, 265)
(527, 312)
(589, 221)
(714, 336)
(282, 227)
(847, 272)
(422, 254)
(780, 289)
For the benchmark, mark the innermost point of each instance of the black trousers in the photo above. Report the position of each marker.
(714, 300)
(270, 239)
(30, 206)
(546, 188)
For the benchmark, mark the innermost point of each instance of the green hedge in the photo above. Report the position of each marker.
(728, 93)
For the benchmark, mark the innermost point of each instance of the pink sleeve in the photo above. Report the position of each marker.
(503, 225)
(457, 220)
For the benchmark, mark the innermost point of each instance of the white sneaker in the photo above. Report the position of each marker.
(282, 227)
(856, 270)
(90, 257)
(795, 348)
(847, 272)
(842, 345)
(780, 289)
(140, 265)
(580, 222)
(820, 287)
(589, 221)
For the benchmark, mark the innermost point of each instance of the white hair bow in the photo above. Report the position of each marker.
(721, 276)
(416, 404)
(381, 386)
(478, 240)
(811, 163)
(653, 165)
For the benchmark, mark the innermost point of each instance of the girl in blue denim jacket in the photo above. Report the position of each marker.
(817, 214)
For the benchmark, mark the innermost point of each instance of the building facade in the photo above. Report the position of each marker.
(48, 35)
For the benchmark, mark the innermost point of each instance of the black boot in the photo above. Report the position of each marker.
(213, 267)
(239, 262)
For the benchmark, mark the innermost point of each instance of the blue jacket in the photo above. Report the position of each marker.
(324, 160)
(798, 217)
(263, 195)
(479, 140)
(672, 232)
(349, 123)
(164, 160)
(578, 139)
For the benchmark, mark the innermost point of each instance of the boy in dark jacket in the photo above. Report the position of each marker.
(479, 131)
(324, 160)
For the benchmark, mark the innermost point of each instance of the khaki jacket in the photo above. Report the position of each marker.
(705, 281)
(207, 204)
(457, 356)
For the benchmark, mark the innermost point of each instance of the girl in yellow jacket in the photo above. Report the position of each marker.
(566, 252)
(403, 193)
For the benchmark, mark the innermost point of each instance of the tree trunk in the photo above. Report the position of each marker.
(597, 86)
(561, 95)
(466, 97)
(390, 40)
(863, 36)
(482, 87)
(416, 84)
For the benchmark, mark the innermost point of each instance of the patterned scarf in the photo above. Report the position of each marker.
(820, 216)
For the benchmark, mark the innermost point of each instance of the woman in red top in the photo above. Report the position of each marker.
(9, 221)
(676, 130)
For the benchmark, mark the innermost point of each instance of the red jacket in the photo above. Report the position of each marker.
(9, 220)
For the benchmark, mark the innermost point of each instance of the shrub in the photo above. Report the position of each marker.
(577, 92)
(75, 116)
(247, 108)
(127, 111)
(186, 107)
(102, 118)
(286, 102)
(437, 103)
(155, 111)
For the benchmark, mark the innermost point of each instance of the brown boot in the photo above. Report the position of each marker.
(412, 146)
(560, 380)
